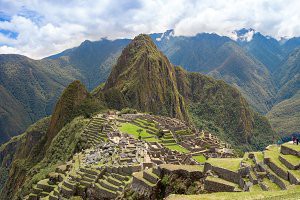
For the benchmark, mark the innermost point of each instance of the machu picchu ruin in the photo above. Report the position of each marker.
(118, 120)
(140, 156)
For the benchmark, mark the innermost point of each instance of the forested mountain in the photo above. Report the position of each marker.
(29, 89)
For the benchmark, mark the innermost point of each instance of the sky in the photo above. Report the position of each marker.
(39, 28)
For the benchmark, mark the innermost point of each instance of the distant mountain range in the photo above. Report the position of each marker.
(263, 69)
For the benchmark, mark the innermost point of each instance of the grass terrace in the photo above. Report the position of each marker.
(189, 168)
(292, 194)
(292, 146)
(294, 160)
(133, 130)
(259, 157)
(200, 158)
(177, 147)
(184, 132)
(273, 153)
(222, 181)
(232, 164)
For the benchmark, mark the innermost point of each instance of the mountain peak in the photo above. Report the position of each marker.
(243, 35)
(145, 79)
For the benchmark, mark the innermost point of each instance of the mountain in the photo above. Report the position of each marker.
(284, 116)
(224, 59)
(93, 60)
(264, 48)
(28, 89)
(146, 80)
(31, 87)
(288, 76)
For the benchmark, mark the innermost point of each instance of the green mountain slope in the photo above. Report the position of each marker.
(246, 74)
(93, 60)
(28, 89)
(285, 116)
(224, 59)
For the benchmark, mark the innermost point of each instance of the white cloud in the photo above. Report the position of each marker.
(49, 26)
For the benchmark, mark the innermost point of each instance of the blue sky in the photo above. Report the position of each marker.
(41, 28)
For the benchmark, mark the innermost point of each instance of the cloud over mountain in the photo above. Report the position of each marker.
(40, 28)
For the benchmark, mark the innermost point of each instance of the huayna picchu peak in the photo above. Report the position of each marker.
(151, 130)
(146, 80)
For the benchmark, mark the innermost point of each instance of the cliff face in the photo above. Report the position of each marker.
(145, 80)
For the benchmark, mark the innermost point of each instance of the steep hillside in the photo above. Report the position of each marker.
(68, 104)
(145, 79)
(288, 76)
(264, 48)
(93, 60)
(220, 108)
(285, 116)
(28, 91)
(197, 54)
(19, 155)
(246, 74)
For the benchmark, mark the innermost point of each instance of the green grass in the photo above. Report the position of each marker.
(177, 147)
(259, 157)
(273, 154)
(190, 168)
(272, 186)
(294, 160)
(292, 194)
(132, 129)
(232, 164)
(200, 158)
(292, 146)
(222, 181)
(184, 132)
(255, 188)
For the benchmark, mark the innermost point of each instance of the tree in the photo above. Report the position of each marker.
(139, 131)
(160, 133)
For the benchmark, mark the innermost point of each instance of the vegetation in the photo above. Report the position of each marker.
(135, 131)
(178, 148)
(200, 158)
(232, 164)
(292, 194)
